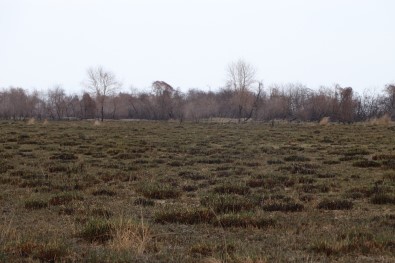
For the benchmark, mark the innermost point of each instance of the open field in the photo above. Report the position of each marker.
(210, 192)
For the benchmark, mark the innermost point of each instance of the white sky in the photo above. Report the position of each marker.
(189, 43)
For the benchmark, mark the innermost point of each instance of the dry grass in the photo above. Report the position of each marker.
(131, 236)
(171, 192)
(384, 120)
(31, 121)
(324, 121)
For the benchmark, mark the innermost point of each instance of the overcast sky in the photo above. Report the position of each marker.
(189, 43)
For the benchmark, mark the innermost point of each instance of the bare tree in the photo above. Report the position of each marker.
(57, 102)
(241, 77)
(390, 100)
(164, 94)
(103, 84)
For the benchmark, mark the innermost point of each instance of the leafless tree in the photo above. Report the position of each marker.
(390, 100)
(164, 94)
(241, 77)
(57, 102)
(102, 84)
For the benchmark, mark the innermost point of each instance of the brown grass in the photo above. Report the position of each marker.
(384, 120)
(130, 236)
(96, 123)
(324, 121)
(31, 121)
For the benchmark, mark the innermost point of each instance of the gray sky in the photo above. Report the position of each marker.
(189, 43)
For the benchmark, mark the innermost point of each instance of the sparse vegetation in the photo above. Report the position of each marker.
(169, 192)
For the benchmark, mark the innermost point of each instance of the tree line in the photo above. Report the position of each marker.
(243, 97)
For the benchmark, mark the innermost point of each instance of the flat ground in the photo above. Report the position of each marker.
(209, 192)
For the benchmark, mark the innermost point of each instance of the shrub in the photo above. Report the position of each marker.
(337, 204)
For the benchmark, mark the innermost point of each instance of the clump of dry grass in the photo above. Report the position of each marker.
(97, 123)
(128, 235)
(324, 121)
(7, 233)
(384, 120)
(31, 121)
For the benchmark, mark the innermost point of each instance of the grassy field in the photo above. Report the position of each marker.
(209, 192)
